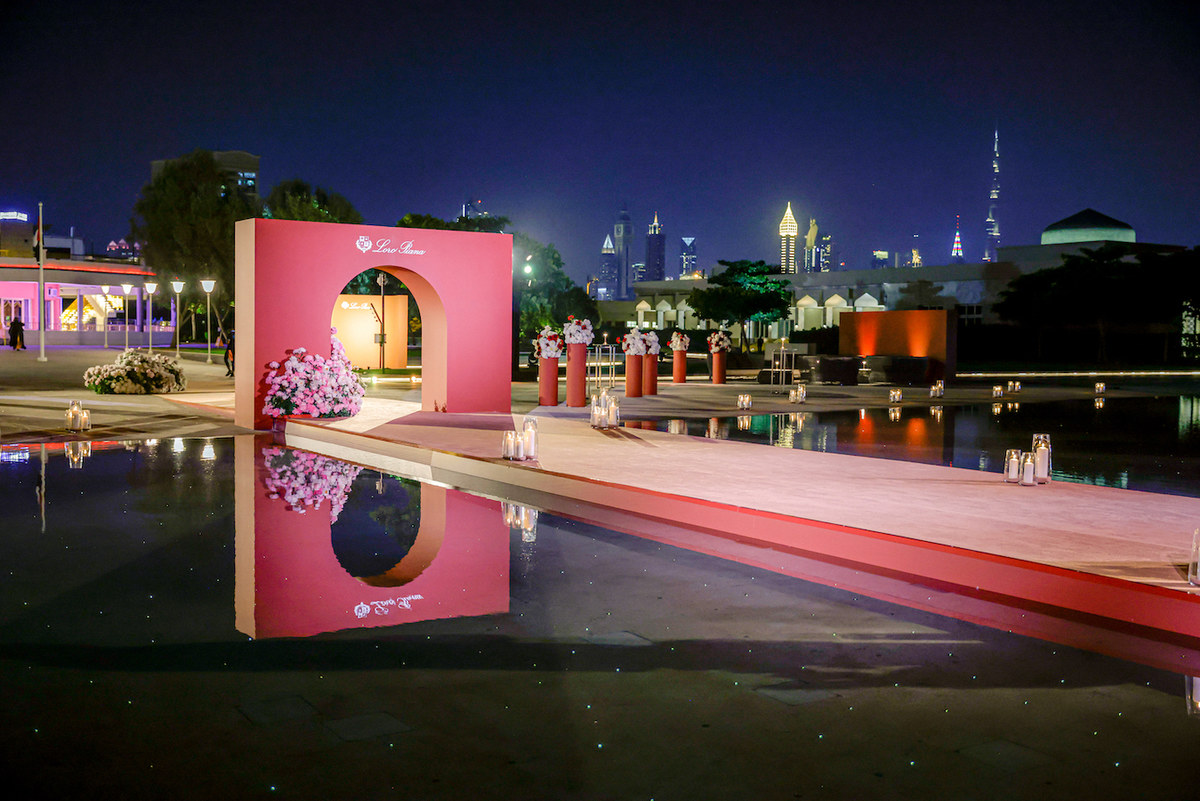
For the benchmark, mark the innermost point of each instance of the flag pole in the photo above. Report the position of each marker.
(41, 289)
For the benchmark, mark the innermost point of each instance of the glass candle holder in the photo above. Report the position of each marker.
(1193, 567)
(801, 393)
(530, 435)
(998, 391)
(1012, 465)
(1099, 387)
(1028, 476)
(1016, 386)
(508, 445)
(1041, 455)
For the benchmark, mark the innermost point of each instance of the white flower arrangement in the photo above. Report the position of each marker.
(549, 344)
(719, 341)
(633, 343)
(651, 340)
(680, 341)
(311, 384)
(136, 372)
(578, 332)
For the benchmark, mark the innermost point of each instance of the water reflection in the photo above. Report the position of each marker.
(324, 545)
(1148, 444)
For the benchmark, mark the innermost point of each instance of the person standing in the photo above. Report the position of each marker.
(16, 333)
(229, 354)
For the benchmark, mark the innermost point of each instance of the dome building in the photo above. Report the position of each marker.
(1088, 225)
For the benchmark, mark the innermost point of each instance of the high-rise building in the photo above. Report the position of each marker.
(622, 245)
(812, 248)
(826, 246)
(656, 252)
(240, 166)
(637, 272)
(605, 288)
(788, 230)
(956, 254)
(687, 256)
(991, 226)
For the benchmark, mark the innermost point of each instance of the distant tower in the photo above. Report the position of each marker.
(656, 252)
(687, 256)
(915, 261)
(606, 287)
(991, 227)
(956, 252)
(788, 230)
(622, 242)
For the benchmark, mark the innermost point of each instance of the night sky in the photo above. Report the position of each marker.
(875, 120)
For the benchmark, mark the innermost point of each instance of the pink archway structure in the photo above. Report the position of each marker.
(289, 274)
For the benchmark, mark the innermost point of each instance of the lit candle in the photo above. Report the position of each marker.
(85, 420)
(1028, 469)
(1099, 387)
(1012, 465)
(614, 413)
(508, 445)
(997, 391)
(1041, 453)
(801, 393)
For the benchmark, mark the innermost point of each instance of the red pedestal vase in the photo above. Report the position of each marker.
(650, 374)
(548, 382)
(576, 374)
(679, 367)
(633, 376)
(718, 367)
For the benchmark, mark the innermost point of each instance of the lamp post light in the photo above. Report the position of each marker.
(177, 285)
(126, 288)
(151, 288)
(381, 279)
(104, 288)
(207, 285)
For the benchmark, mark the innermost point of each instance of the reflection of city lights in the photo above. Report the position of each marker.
(177, 445)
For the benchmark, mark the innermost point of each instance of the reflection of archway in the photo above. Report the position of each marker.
(289, 582)
(388, 538)
(289, 273)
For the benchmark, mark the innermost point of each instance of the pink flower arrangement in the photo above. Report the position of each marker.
(310, 384)
(578, 332)
(549, 344)
(305, 480)
(680, 341)
(651, 340)
(633, 343)
(719, 341)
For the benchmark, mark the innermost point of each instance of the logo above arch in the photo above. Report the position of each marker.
(289, 273)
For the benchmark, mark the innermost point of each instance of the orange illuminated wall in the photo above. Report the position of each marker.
(925, 333)
(357, 317)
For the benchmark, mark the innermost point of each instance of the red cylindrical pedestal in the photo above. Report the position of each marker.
(576, 374)
(633, 376)
(718, 367)
(548, 382)
(679, 367)
(650, 374)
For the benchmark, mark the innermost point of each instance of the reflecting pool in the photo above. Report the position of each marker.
(1150, 444)
(232, 618)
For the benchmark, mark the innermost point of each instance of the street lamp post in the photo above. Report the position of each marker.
(381, 279)
(207, 285)
(126, 288)
(104, 288)
(151, 288)
(177, 285)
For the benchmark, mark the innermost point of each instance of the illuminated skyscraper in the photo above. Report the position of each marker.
(991, 226)
(956, 255)
(687, 256)
(606, 286)
(788, 229)
(656, 252)
(622, 242)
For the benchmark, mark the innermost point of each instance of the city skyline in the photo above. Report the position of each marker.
(880, 128)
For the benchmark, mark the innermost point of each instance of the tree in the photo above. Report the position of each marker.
(487, 225)
(743, 291)
(297, 200)
(184, 221)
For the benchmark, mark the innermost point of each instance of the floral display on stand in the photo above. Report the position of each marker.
(549, 344)
(136, 372)
(305, 480)
(651, 340)
(578, 332)
(307, 383)
(719, 341)
(680, 341)
(633, 343)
